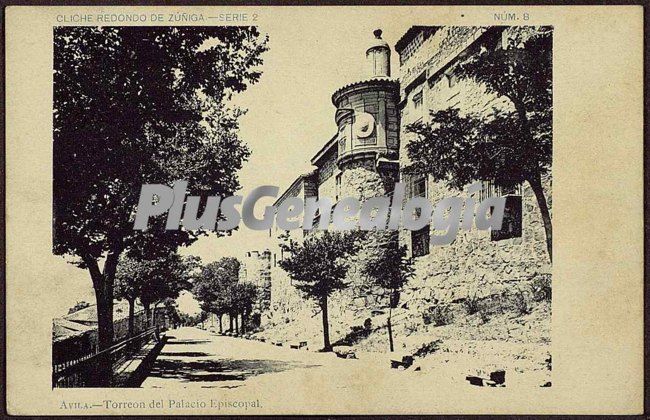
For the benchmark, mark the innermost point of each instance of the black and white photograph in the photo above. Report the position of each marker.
(324, 209)
(447, 111)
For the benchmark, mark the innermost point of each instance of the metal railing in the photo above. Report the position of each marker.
(91, 370)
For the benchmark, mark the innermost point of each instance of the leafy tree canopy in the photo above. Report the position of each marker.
(213, 287)
(157, 280)
(136, 105)
(512, 145)
(318, 265)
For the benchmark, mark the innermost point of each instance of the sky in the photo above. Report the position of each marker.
(290, 117)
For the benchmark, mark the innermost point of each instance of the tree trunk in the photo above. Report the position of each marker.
(147, 314)
(131, 317)
(536, 185)
(243, 322)
(390, 330)
(220, 316)
(236, 324)
(535, 181)
(326, 327)
(103, 286)
(154, 321)
(103, 369)
(232, 328)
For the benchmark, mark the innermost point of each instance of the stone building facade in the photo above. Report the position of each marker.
(359, 160)
(478, 263)
(367, 155)
(256, 269)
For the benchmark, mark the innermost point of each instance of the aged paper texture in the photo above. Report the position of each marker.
(448, 119)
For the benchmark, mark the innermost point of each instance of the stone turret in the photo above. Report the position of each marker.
(368, 145)
(368, 124)
(378, 57)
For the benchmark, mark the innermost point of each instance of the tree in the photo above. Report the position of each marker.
(129, 278)
(390, 269)
(318, 267)
(153, 281)
(512, 146)
(212, 288)
(244, 295)
(188, 320)
(135, 105)
(171, 275)
(171, 312)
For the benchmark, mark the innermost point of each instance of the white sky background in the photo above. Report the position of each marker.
(290, 117)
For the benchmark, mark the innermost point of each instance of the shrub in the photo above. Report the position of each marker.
(472, 304)
(410, 328)
(484, 314)
(520, 303)
(428, 348)
(438, 315)
(542, 289)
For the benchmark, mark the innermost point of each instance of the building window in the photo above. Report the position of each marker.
(452, 79)
(489, 189)
(338, 185)
(420, 242)
(416, 185)
(420, 187)
(512, 226)
(512, 223)
(417, 101)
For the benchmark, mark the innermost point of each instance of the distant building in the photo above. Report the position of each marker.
(256, 269)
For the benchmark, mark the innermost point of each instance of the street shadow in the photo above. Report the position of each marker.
(219, 370)
(185, 354)
(172, 340)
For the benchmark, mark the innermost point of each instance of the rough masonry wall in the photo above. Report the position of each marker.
(472, 264)
(351, 306)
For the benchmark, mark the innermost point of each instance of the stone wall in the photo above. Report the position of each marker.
(476, 266)
(256, 269)
(473, 264)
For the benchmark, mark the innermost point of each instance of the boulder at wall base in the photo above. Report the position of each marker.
(497, 379)
(344, 352)
(475, 380)
(298, 344)
(498, 376)
(403, 362)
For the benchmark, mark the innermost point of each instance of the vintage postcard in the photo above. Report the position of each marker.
(324, 210)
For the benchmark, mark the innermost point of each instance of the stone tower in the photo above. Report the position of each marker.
(256, 269)
(368, 127)
(368, 145)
